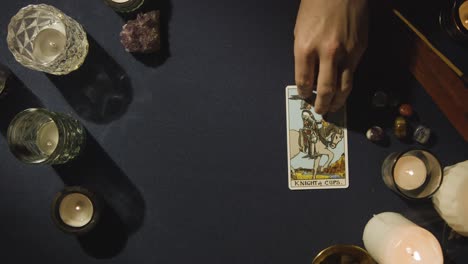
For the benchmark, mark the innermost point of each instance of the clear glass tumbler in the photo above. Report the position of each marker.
(43, 38)
(413, 174)
(37, 136)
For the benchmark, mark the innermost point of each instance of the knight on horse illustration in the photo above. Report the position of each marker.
(308, 135)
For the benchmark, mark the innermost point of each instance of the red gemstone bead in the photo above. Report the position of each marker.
(406, 110)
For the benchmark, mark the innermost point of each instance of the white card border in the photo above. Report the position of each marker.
(289, 152)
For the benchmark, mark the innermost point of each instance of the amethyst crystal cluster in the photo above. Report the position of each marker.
(142, 34)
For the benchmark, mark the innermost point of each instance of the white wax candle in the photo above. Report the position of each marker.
(410, 173)
(120, 1)
(76, 210)
(392, 239)
(48, 44)
(47, 138)
(451, 200)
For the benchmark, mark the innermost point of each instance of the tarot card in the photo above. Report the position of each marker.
(317, 146)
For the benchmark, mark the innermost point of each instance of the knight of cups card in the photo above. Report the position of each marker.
(317, 145)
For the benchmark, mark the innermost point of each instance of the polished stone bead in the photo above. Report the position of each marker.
(422, 134)
(375, 134)
(400, 127)
(380, 99)
(405, 110)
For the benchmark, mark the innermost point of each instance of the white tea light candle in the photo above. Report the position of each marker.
(410, 173)
(48, 137)
(48, 44)
(390, 238)
(413, 174)
(76, 210)
(463, 14)
(125, 6)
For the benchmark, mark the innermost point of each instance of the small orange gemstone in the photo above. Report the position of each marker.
(406, 110)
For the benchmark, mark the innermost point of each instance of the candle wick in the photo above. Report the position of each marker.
(77, 207)
(53, 44)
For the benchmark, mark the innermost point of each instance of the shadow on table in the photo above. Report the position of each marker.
(384, 67)
(16, 98)
(165, 8)
(123, 205)
(100, 90)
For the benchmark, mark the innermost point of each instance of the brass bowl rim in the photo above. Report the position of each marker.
(346, 248)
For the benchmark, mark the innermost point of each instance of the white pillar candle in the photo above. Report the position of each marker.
(410, 173)
(48, 44)
(120, 1)
(76, 210)
(47, 138)
(392, 239)
(451, 200)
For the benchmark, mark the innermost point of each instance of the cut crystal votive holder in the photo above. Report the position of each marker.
(37, 136)
(43, 38)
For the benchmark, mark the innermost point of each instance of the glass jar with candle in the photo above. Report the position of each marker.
(43, 38)
(76, 210)
(454, 19)
(125, 5)
(38, 136)
(414, 174)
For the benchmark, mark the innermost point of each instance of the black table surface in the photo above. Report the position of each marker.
(191, 156)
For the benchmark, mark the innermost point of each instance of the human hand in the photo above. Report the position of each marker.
(330, 38)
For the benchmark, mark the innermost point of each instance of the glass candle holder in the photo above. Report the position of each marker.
(38, 136)
(390, 238)
(76, 210)
(454, 19)
(340, 254)
(43, 38)
(413, 174)
(125, 6)
(4, 74)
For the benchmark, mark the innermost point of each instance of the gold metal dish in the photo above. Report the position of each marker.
(343, 254)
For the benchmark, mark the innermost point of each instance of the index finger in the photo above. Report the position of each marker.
(326, 86)
(304, 72)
